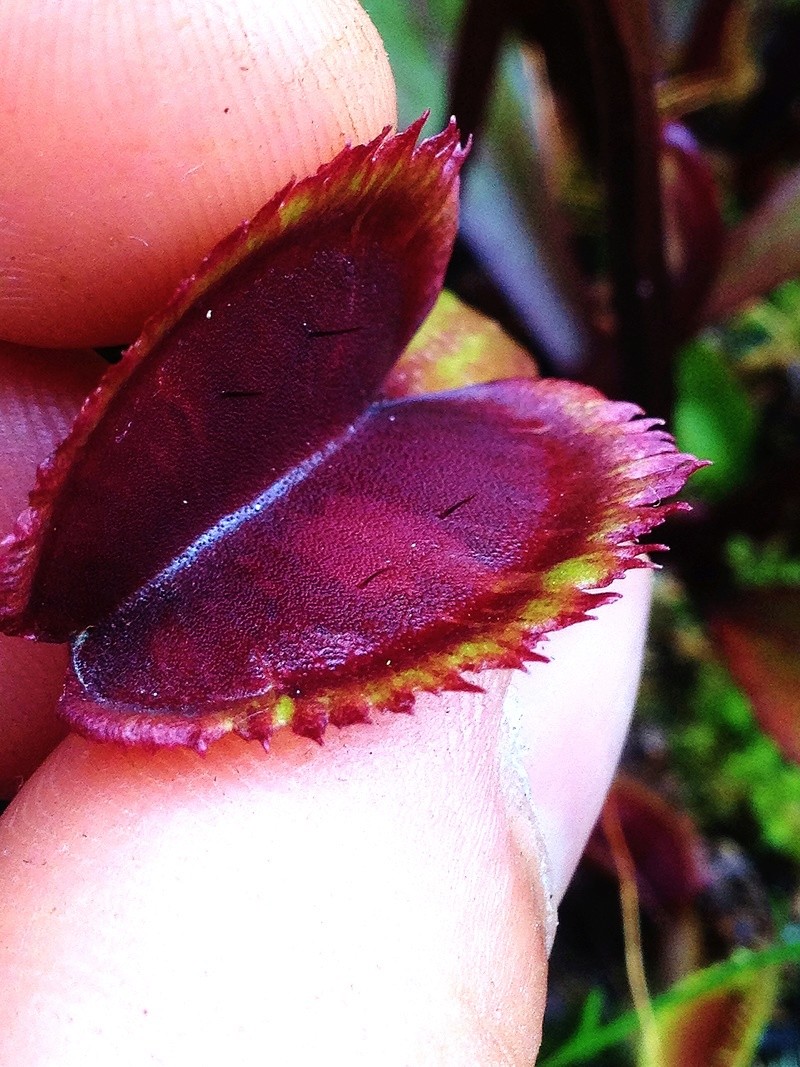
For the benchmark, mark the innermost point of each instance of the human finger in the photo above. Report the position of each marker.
(379, 899)
(569, 718)
(40, 393)
(135, 136)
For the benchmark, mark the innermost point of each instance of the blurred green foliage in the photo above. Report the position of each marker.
(762, 564)
(714, 417)
(732, 769)
(418, 36)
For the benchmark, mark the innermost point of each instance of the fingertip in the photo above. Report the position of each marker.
(31, 677)
(138, 135)
(569, 718)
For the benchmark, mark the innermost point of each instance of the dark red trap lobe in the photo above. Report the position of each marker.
(295, 350)
(278, 343)
(429, 523)
(384, 547)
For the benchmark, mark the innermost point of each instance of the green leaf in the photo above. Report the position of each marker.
(732, 767)
(415, 41)
(765, 336)
(768, 563)
(714, 417)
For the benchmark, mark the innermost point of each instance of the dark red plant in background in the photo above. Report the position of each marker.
(242, 532)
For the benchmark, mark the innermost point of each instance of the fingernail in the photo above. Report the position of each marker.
(524, 825)
(564, 725)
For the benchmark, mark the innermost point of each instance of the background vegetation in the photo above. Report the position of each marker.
(632, 213)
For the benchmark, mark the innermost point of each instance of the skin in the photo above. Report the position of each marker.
(136, 136)
(382, 899)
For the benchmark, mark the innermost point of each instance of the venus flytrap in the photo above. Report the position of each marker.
(245, 530)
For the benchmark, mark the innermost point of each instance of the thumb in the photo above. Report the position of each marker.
(136, 136)
(568, 719)
(376, 900)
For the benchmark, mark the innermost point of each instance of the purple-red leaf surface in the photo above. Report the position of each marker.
(263, 359)
(242, 531)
